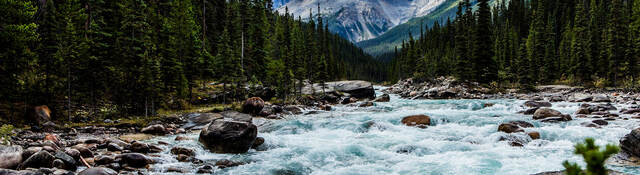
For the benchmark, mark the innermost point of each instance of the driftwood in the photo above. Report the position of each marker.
(84, 162)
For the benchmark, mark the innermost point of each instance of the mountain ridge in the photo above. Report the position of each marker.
(361, 20)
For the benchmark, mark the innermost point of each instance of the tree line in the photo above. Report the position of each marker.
(522, 43)
(138, 56)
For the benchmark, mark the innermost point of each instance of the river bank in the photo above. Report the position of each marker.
(462, 136)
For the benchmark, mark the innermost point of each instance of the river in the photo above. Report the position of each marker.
(463, 139)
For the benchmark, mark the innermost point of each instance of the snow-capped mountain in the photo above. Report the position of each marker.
(359, 20)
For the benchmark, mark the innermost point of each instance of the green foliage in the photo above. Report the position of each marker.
(135, 57)
(6, 132)
(600, 82)
(563, 42)
(593, 156)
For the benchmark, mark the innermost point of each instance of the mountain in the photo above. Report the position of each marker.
(389, 40)
(362, 19)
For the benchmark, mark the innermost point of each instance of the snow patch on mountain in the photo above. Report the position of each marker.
(360, 20)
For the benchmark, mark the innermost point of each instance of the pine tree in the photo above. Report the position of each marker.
(580, 55)
(50, 26)
(485, 66)
(595, 38)
(524, 71)
(635, 35)
(17, 34)
(549, 68)
(463, 66)
(617, 42)
(536, 41)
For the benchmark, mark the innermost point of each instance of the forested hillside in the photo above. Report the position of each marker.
(136, 56)
(522, 43)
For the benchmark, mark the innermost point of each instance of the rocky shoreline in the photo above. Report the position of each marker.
(120, 150)
(50, 149)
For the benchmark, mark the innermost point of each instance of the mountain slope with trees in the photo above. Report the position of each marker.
(137, 56)
(522, 43)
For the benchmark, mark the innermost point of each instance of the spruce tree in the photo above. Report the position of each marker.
(485, 66)
(536, 41)
(635, 35)
(17, 34)
(463, 67)
(580, 56)
(617, 42)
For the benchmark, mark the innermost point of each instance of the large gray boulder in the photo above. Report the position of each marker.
(135, 160)
(40, 159)
(232, 134)
(199, 120)
(10, 156)
(69, 162)
(537, 104)
(156, 129)
(543, 113)
(356, 88)
(630, 143)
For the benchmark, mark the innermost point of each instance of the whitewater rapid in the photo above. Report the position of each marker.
(463, 139)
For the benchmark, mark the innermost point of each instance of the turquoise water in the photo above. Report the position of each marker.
(463, 139)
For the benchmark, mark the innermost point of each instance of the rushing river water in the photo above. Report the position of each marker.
(463, 139)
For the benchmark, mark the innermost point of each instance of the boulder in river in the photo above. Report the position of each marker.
(348, 100)
(253, 105)
(514, 126)
(529, 111)
(183, 150)
(292, 109)
(68, 161)
(259, 141)
(229, 135)
(543, 113)
(583, 111)
(601, 98)
(366, 104)
(135, 160)
(536, 104)
(561, 118)
(421, 121)
(10, 156)
(113, 147)
(236, 116)
(40, 159)
(534, 135)
(103, 160)
(139, 147)
(630, 143)
(98, 171)
(199, 120)
(509, 128)
(154, 129)
(356, 88)
(600, 122)
(383, 98)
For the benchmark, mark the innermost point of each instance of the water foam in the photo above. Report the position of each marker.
(462, 140)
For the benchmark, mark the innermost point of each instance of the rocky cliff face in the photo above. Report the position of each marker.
(360, 20)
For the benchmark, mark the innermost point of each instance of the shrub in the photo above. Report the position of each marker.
(593, 156)
(6, 131)
(600, 82)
